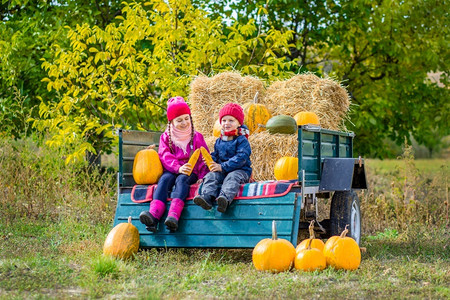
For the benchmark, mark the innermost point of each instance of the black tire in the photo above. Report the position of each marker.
(345, 210)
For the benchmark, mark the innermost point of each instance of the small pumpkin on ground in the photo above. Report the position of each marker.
(310, 259)
(342, 252)
(122, 241)
(274, 255)
(256, 114)
(286, 168)
(312, 241)
(306, 117)
(147, 167)
(281, 124)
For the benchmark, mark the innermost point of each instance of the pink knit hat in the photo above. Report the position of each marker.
(234, 110)
(176, 106)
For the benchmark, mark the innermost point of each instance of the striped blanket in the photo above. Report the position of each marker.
(253, 190)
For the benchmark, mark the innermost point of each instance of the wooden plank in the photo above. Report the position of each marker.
(244, 224)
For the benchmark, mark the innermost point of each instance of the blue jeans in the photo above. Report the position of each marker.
(179, 182)
(220, 183)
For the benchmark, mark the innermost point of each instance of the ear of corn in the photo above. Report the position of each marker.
(208, 159)
(193, 159)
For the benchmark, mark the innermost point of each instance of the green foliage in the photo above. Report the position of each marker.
(121, 76)
(382, 51)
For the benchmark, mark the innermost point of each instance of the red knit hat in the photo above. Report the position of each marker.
(176, 106)
(234, 110)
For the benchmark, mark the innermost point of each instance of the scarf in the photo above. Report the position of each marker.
(229, 135)
(181, 138)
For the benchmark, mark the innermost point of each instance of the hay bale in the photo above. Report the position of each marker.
(304, 92)
(209, 94)
(331, 103)
(267, 149)
(307, 92)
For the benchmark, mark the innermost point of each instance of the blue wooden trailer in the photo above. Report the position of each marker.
(327, 172)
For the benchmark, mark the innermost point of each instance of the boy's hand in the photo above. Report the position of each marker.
(215, 167)
(185, 169)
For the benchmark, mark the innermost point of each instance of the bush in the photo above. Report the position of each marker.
(37, 184)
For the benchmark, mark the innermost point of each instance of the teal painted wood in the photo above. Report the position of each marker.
(245, 223)
(316, 144)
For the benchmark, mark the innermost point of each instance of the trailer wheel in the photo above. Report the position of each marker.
(345, 210)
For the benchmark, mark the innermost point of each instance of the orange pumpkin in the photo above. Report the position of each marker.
(306, 117)
(217, 128)
(122, 241)
(274, 255)
(343, 252)
(312, 241)
(147, 167)
(255, 114)
(310, 259)
(286, 168)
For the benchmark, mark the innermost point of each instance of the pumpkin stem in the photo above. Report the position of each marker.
(309, 244)
(344, 233)
(311, 230)
(255, 99)
(152, 146)
(129, 219)
(274, 230)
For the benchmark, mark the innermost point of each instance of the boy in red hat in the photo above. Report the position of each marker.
(176, 145)
(232, 165)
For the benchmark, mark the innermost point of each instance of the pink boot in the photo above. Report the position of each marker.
(151, 218)
(176, 207)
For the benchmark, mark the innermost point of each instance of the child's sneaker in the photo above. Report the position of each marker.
(222, 204)
(171, 223)
(148, 220)
(203, 202)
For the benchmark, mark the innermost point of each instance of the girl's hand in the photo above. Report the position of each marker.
(199, 181)
(215, 167)
(185, 169)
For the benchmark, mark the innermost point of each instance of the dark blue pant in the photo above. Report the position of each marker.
(220, 183)
(179, 184)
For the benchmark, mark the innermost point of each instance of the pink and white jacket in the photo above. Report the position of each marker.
(173, 161)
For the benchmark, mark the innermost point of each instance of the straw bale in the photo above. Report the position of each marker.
(209, 94)
(267, 149)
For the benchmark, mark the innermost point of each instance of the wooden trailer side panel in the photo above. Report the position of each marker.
(243, 225)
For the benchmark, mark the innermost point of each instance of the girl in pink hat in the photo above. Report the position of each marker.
(176, 145)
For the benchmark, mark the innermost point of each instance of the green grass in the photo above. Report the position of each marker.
(54, 222)
(59, 261)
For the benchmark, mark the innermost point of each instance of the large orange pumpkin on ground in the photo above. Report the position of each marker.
(274, 255)
(147, 167)
(342, 252)
(310, 259)
(122, 241)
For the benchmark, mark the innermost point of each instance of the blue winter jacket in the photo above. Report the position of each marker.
(233, 155)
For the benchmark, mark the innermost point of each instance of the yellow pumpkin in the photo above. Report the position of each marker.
(147, 167)
(217, 128)
(286, 168)
(255, 114)
(306, 117)
(193, 160)
(310, 259)
(343, 252)
(312, 241)
(274, 255)
(122, 241)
